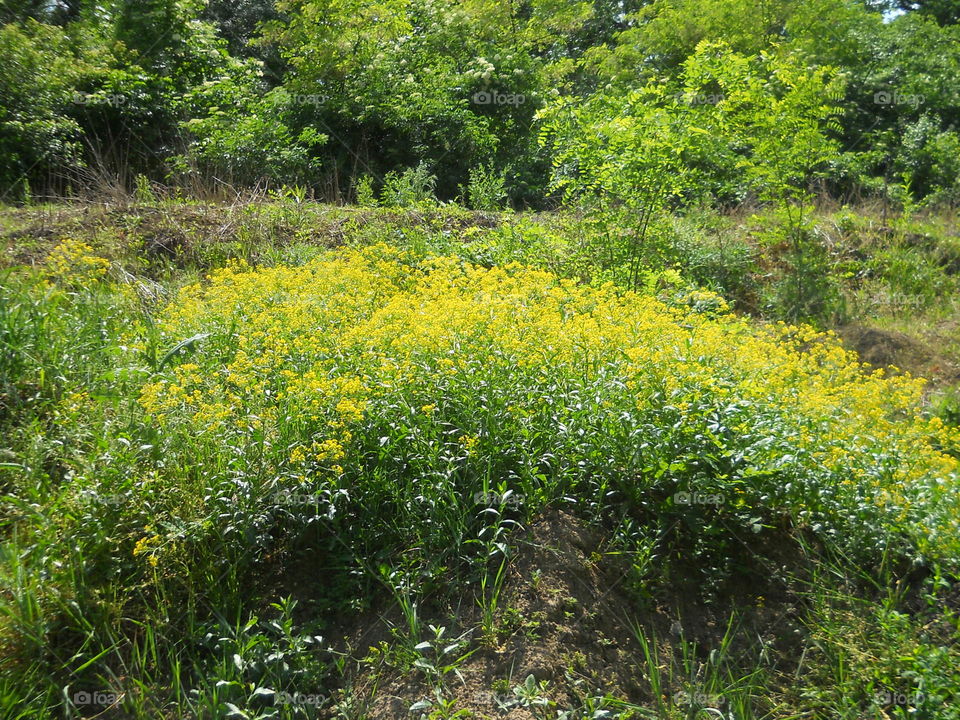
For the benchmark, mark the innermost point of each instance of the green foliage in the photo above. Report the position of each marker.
(763, 118)
(317, 91)
(899, 100)
(486, 189)
(947, 406)
(943, 11)
(263, 668)
(808, 288)
(37, 76)
(411, 188)
(246, 138)
(364, 195)
(879, 659)
(451, 84)
(143, 192)
(165, 38)
(238, 21)
(663, 34)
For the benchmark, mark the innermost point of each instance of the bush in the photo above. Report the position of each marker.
(389, 392)
(410, 188)
(254, 139)
(486, 189)
(363, 192)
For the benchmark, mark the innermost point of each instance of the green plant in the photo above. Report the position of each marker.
(633, 149)
(363, 191)
(532, 693)
(440, 707)
(947, 406)
(143, 192)
(411, 188)
(486, 188)
(440, 656)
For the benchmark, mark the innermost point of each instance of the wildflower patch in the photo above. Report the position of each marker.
(380, 377)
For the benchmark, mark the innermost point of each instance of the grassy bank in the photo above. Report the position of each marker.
(285, 460)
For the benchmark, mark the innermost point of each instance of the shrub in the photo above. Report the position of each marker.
(363, 191)
(36, 75)
(400, 392)
(412, 187)
(486, 189)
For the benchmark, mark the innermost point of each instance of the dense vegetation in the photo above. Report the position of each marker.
(331, 94)
(227, 443)
(443, 359)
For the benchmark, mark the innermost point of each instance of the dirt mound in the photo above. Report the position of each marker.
(565, 614)
(889, 348)
(884, 348)
(568, 629)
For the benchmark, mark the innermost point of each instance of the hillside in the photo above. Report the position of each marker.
(282, 459)
(436, 359)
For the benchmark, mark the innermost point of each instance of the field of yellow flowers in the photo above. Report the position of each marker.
(381, 423)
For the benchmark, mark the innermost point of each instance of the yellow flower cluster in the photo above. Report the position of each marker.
(312, 346)
(76, 404)
(469, 442)
(147, 545)
(73, 262)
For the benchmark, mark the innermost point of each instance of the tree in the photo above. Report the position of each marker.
(664, 33)
(447, 83)
(764, 117)
(784, 122)
(641, 150)
(945, 12)
(37, 136)
(238, 22)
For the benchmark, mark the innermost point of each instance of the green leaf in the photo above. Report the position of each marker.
(182, 345)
